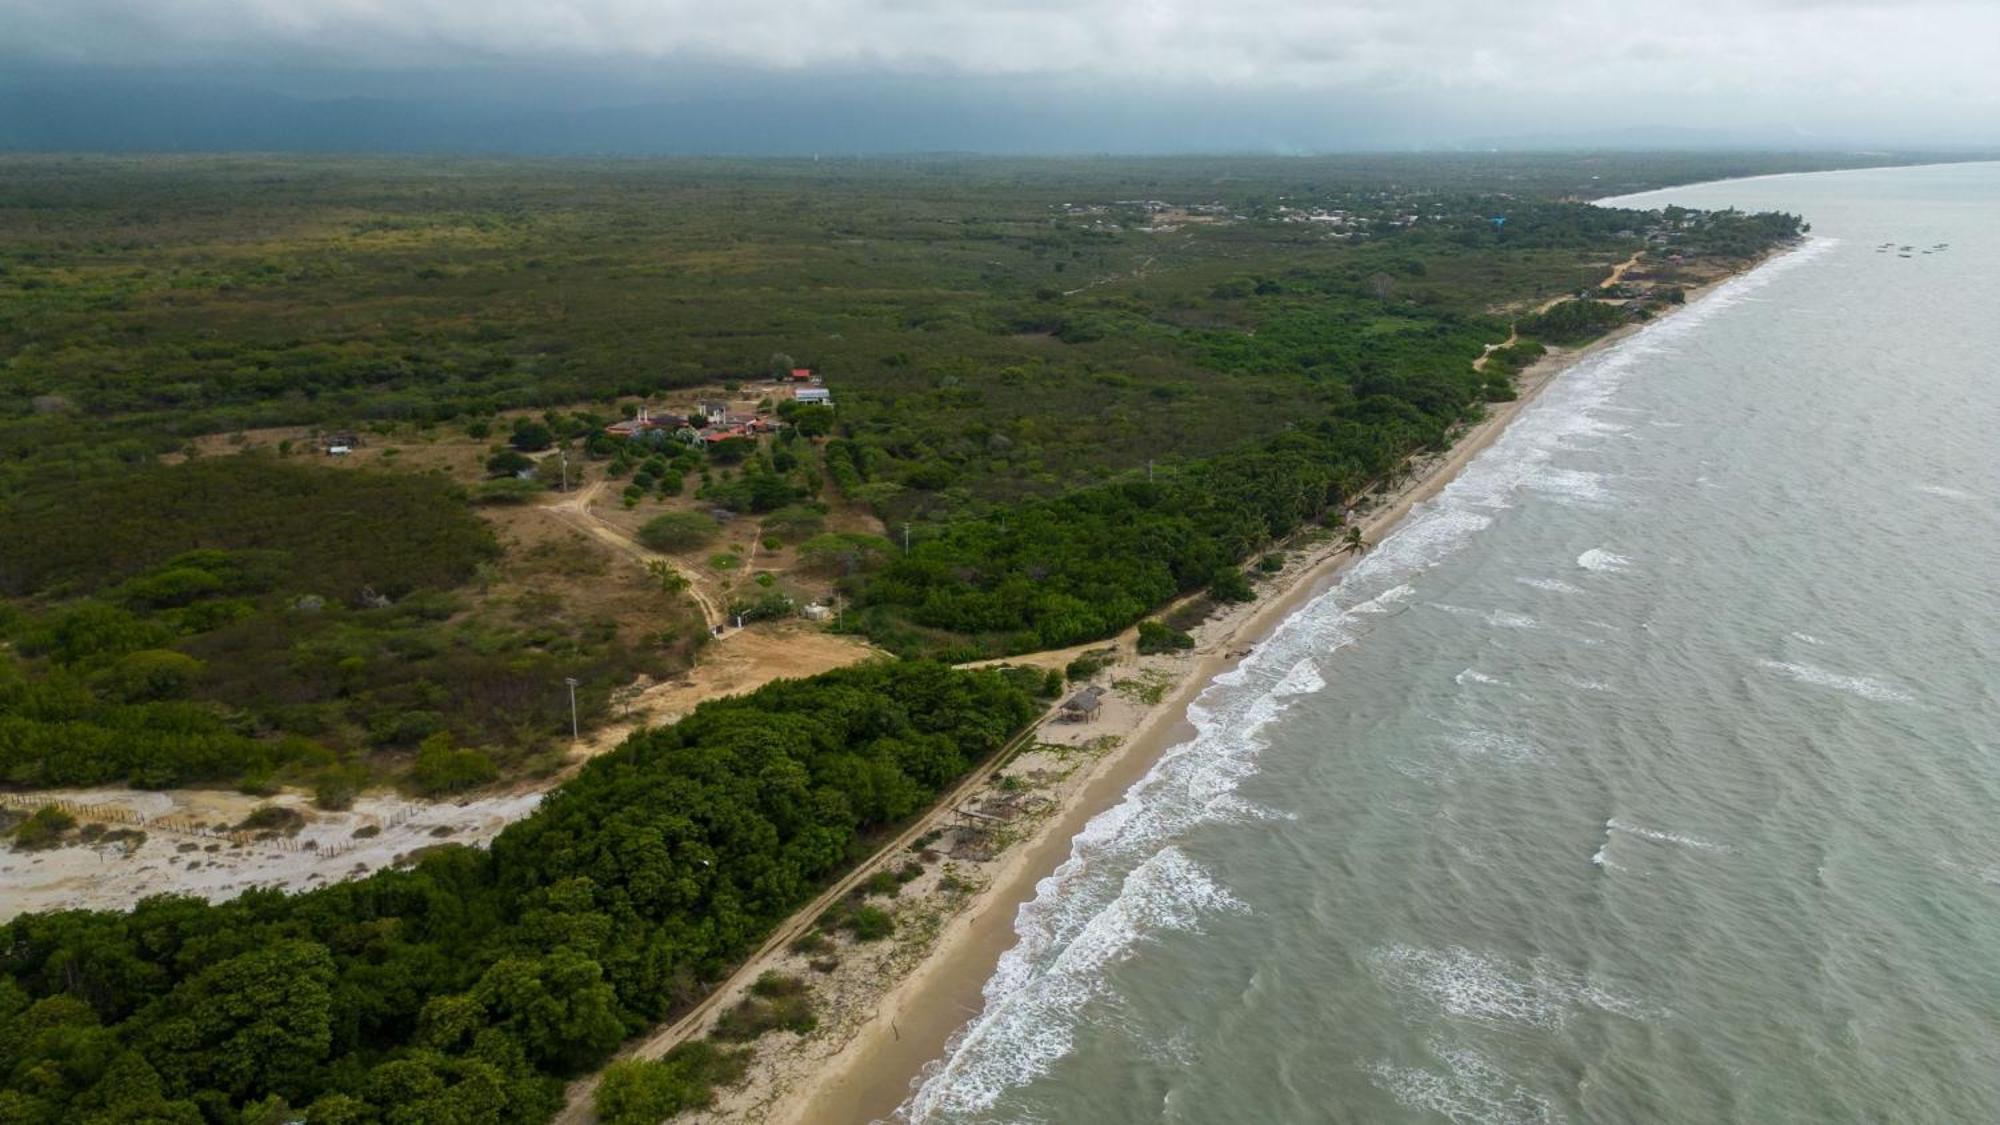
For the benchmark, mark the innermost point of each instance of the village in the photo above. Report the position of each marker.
(711, 421)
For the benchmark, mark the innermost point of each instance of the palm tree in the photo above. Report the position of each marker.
(1353, 539)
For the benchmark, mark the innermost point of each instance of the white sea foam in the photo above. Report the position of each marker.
(1552, 585)
(1866, 687)
(1496, 745)
(1575, 485)
(1123, 874)
(1602, 561)
(1807, 638)
(1474, 676)
(1470, 1091)
(1387, 601)
(1475, 986)
(1033, 1022)
(1946, 491)
(1660, 836)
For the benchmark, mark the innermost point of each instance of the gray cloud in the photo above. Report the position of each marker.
(1910, 67)
(1921, 48)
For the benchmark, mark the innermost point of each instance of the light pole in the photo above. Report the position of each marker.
(563, 454)
(571, 681)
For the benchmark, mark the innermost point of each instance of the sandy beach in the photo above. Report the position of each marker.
(887, 1009)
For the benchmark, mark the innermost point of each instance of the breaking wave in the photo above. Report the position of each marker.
(1603, 561)
(1470, 1091)
(1866, 687)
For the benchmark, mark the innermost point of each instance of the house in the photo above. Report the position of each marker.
(713, 409)
(803, 375)
(813, 396)
(1083, 706)
(339, 443)
(638, 424)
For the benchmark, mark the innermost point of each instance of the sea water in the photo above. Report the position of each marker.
(1649, 773)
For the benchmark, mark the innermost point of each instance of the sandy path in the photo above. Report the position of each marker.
(574, 510)
(1513, 332)
(664, 1039)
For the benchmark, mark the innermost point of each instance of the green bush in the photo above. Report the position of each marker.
(776, 1002)
(44, 828)
(869, 923)
(674, 532)
(1156, 636)
(1084, 667)
(1229, 585)
(646, 1092)
(441, 769)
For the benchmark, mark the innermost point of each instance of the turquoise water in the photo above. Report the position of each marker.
(1648, 774)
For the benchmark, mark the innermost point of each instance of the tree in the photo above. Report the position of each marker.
(442, 769)
(1352, 539)
(531, 436)
(254, 1024)
(673, 532)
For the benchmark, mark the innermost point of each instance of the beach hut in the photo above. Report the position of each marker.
(1083, 706)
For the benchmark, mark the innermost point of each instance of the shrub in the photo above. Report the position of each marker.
(679, 531)
(1157, 636)
(43, 829)
(814, 942)
(869, 923)
(1084, 667)
(645, 1092)
(336, 787)
(273, 818)
(1229, 585)
(531, 437)
(507, 463)
(1271, 563)
(793, 523)
(442, 769)
(775, 1003)
(883, 883)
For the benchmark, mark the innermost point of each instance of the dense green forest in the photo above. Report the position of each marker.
(1078, 387)
(465, 987)
(249, 620)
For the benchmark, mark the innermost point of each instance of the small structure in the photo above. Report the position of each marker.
(715, 410)
(817, 612)
(813, 396)
(803, 375)
(643, 422)
(1083, 706)
(339, 443)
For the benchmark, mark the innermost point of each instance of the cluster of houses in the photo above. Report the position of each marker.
(713, 421)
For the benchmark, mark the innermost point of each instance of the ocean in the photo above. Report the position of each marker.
(1648, 773)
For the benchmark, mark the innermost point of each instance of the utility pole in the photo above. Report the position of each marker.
(906, 538)
(564, 455)
(573, 733)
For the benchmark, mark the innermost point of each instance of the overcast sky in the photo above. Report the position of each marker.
(1884, 70)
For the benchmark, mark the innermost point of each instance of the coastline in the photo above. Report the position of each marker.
(911, 1021)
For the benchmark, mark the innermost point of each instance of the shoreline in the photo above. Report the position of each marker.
(916, 1017)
